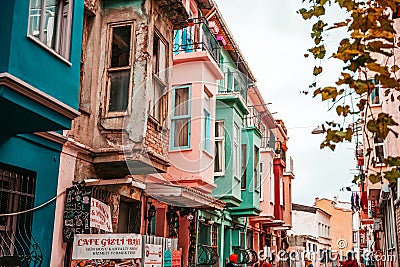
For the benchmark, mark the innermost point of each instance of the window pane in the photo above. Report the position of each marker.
(162, 62)
(35, 17)
(65, 40)
(121, 41)
(375, 96)
(207, 131)
(50, 26)
(156, 100)
(244, 166)
(181, 101)
(379, 153)
(181, 132)
(219, 129)
(218, 156)
(119, 90)
(156, 43)
(255, 168)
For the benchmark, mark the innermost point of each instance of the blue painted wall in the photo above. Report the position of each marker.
(43, 157)
(35, 65)
(6, 15)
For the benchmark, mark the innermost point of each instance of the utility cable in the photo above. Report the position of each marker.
(34, 208)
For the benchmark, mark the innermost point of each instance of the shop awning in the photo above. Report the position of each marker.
(182, 196)
(274, 223)
(282, 228)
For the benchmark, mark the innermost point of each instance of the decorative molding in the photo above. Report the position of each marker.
(27, 90)
(53, 136)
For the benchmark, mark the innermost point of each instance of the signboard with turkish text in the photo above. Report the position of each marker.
(167, 258)
(176, 258)
(153, 255)
(100, 216)
(76, 212)
(107, 246)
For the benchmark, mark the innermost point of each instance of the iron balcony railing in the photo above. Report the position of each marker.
(268, 140)
(234, 82)
(254, 119)
(197, 37)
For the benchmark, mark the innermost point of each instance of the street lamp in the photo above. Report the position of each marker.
(150, 214)
(318, 130)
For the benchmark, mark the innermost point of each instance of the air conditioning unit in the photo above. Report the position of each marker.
(385, 192)
(377, 225)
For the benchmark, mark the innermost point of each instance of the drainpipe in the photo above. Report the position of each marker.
(246, 224)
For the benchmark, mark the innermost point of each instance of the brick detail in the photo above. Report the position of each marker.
(156, 140)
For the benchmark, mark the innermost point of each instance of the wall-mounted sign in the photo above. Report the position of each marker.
(153, 255)
(76, 212)
(176, 258)
(100, 216)
(107, 246)
(167, 258)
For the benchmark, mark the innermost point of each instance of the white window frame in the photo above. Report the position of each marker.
(376, 145)
(109, 70)
(158, 108)
(62, 46)
(217, 140)
(256, 168)
(187, 116)
(379, 103)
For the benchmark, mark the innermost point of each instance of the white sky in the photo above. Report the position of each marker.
(273, 38)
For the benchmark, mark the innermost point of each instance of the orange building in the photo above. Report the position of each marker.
(341, 223)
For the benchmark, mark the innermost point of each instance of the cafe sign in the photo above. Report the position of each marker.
(107, 246)
(100, 216)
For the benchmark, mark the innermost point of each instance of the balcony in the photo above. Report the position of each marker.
(235, 82)
(196, 38)
(254, 119)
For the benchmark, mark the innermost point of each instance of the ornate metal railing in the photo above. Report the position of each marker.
(253, 257)
(254, 119)
(17, 192)
(197, 37)
(246, 255)
(207, 255)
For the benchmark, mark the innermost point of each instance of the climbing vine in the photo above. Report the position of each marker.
(368, 54)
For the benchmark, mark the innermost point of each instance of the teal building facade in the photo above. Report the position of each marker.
(39, 90)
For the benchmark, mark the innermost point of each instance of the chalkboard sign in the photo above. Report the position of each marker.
(76, 212)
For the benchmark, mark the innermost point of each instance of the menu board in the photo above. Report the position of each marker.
(76, 212)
